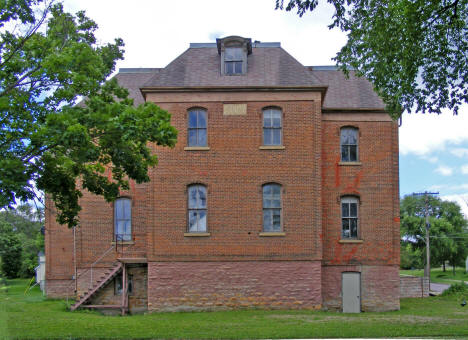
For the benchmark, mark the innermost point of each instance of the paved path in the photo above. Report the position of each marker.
(438, 287)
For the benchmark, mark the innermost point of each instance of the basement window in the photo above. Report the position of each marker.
(118, 284)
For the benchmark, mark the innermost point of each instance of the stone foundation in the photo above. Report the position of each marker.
(380, 287)
(137, 300)
(176, 286)
(60, 289)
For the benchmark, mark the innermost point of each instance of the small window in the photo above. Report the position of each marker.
(118, 284)
(272, 127)
(197, 128)
(197, 209)
(233, 57)
(349, 217)
(272, 207)
(349, 144)
(123, 219)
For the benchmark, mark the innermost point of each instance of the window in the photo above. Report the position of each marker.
(197, 127)
(233, 57)
(197, 209)
(349, 217)
(118, 284)
(272, 126)
(272, 208)
(122, 219)
(349, 144)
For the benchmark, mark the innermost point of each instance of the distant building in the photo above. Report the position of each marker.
(282, 192)
(40, 270)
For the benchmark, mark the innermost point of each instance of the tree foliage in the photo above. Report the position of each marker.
(413, 51)
(49, 60)
(448, 229)
(10, 251)
(26, 223)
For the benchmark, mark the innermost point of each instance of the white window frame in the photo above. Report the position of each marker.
(197, 128)
(197, 209)
(349, 146)
(270, 129)
(350, 217)
(120, 217)
(271, 209)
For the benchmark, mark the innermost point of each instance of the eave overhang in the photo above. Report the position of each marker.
(194, 89)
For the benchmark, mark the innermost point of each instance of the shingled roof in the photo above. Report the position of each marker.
(200, 65)
(268, 66)
(346, 93)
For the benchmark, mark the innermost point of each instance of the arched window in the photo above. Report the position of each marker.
(349, 144)
(197, 124)
(272, 126)
(123, 219)
(349, 217)
(272, 207)
(196, 208)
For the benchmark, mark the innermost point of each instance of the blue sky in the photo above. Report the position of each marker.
(433, 149)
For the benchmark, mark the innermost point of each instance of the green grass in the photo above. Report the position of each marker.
(438, 276)
(31, 316)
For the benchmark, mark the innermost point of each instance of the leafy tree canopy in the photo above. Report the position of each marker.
(10, 251)
(413, 51)
(448, 228)
(49, 60)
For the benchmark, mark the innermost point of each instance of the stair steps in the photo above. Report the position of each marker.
(101, 282)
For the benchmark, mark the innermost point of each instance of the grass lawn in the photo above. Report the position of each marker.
(437, 275)
(31, 316)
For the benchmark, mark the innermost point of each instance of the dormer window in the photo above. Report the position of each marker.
(233, 52)
(233, 58)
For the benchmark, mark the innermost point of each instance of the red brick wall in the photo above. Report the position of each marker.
(234, 170)
(380, 287)
(374, 181)
(176, 286)
(59, 256)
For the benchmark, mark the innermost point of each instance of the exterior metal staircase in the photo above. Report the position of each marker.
(100, 283)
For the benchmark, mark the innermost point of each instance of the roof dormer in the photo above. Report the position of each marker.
(234, 51)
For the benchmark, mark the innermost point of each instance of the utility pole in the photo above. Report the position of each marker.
(427, 268)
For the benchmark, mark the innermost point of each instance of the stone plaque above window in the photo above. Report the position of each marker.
(234, 109)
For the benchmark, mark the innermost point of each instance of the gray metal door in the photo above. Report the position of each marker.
(351, 292)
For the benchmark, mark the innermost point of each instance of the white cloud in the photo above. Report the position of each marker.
(459, 152)
(462, 201)
(423, 134)
(444, 170)
(464, 169)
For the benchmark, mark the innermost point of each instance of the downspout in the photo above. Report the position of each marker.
(74, 258)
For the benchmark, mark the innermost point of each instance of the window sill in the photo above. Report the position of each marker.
(272, 147)
(197, 148)
(197, 234)
(123, 243)
(351, 241)
(350, 163)
(274, 233)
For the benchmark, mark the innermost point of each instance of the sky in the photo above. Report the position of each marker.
(433, 148)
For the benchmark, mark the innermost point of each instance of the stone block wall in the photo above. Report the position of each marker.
(380, 289)
(175, 286)
(413, 286)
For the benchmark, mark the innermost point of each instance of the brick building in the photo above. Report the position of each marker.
(282, 192)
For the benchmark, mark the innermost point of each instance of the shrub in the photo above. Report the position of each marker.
(457, 289)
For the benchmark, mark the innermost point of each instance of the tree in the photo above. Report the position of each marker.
(26, 223)
(10, 251)
(49, 60)
(414, 52)
(448, 228)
